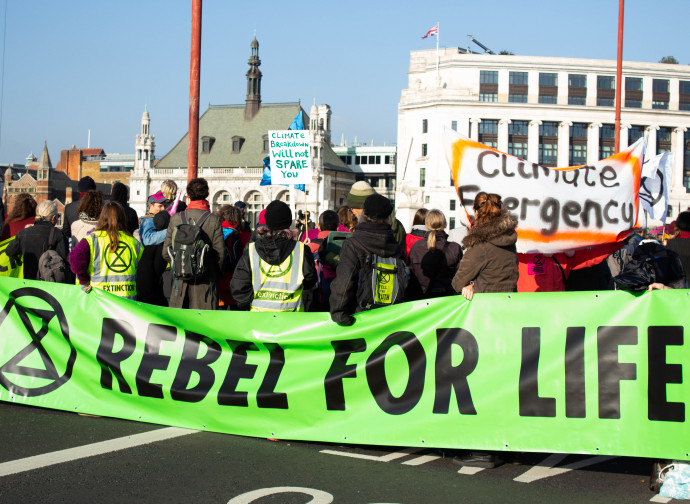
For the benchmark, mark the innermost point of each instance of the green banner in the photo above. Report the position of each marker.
(583, 372)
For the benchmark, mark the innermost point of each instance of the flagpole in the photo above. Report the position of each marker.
(438, 35)
(619, 76)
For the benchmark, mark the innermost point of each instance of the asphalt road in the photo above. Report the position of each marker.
(53, 456)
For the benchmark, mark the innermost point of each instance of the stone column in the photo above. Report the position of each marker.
(624, 136)
(678, 147)
(503, 135)
(651, 142)
(564, 143)
(593, 142)
(474, 129)
(533, 141)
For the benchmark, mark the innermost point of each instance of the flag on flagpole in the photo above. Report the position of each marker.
(297, 124)
(654, 185)
(433, 31)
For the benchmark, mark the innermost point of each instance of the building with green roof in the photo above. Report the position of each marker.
(233, 141)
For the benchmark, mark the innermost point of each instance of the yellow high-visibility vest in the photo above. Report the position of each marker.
(114, 271)
(277, 287)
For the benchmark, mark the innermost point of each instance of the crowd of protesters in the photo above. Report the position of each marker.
(182, 255)
(289, 264)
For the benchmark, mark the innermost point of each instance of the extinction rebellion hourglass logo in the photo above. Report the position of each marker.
(35, 334)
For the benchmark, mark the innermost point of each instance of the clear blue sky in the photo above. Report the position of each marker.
(74, 65)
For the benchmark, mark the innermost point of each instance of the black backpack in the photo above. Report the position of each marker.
(382, 280)
(651, 262)
(233, 252)
(190, 250)
(52, 267)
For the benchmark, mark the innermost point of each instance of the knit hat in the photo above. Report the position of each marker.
(161, 220)
(683, 221)
(358, 193)
(86, 184)
(377, 207)
(278, 216)
(158, 197)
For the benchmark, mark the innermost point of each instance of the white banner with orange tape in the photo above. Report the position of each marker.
(558, 209)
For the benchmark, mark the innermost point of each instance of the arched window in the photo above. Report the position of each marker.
(220, 199)
(255, 203)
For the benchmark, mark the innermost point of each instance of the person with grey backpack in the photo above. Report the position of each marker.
(43, 247)
(195, 249)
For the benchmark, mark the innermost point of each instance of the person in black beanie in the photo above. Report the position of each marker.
(285, 267)
(70, 214)
(373, 235)
(153, 279)
(120, 193)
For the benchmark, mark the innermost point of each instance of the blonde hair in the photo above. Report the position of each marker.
(46, 209)
(169, 189)
(435, 221)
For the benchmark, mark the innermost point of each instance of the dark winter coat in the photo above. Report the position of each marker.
(377, 239)
(491, 259)
(435, 269)
(201, 294)
(274, 251)
(69, 216)
(31, 242)
(120, 194)
(150, 276)
(681, 246)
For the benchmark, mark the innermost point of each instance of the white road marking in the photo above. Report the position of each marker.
(470, 470)
(545, 468)
(381, 458)
(659, 498)
(319, 496)
(90, 450)
(421, 460)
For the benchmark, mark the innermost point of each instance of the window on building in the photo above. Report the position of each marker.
(422, 177)
(451, 223)
(548, 87)
(578, 144)
(265, 142)
(425, 126)
(387, 160)
(607, 138)
(454, 125)
(517, 138)
(519, 78)
(427, 200)
(517, 87)
(488, 132)
(488, 86)
(452, 205)
(237, 142)
(424, 150)
(255, 204)
(207, 144)
(684, 95)
(633, 92)
(635, 132)
(374, 181)
(660, 94)
(363, 160)
(488, 77)
(663, 140)
(577, 89)
(138, 153)
(606, 91)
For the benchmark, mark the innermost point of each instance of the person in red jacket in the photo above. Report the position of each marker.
(417, 232)
(235, 241)
(21, 216)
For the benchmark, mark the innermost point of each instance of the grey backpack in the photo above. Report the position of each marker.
(51, 266)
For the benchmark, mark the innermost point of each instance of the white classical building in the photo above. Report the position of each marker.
(552, 111)
(233, 141)
(372, 163)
